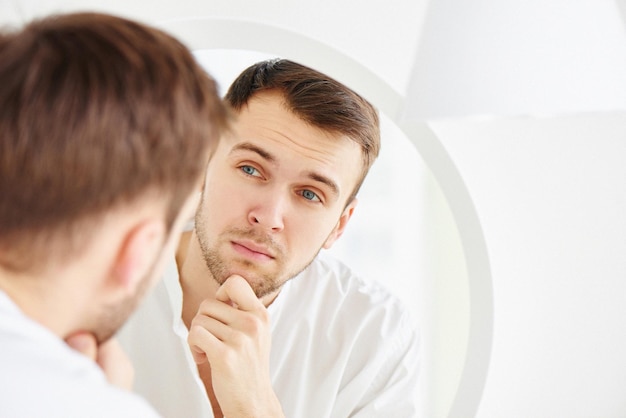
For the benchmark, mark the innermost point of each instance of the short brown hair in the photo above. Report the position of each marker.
(315, 98)
(96, 111)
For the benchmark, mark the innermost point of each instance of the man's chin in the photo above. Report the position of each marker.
(256, 282)
(248, 276)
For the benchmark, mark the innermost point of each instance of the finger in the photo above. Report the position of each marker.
(218, 310)
(203, 344)
(199, 356)
(218, 328)
(116, 364)
(237, 290)
(111, 351)
(85, 343)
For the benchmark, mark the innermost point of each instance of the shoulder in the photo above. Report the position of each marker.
(358, 329)
(43, 377)
(339, 298)
(342, 286)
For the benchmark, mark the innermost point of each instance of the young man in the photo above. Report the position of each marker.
(251, 321)
(106, 127)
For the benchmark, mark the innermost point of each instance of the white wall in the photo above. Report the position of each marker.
(551, 196)
(358, 29)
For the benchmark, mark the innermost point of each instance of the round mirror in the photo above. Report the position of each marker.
(403, 235)
(449, 268)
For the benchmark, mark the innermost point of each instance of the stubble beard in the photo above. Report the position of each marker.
(220, 269)
(114, 316)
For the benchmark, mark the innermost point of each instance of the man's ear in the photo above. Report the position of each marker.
(341, 224)
(138, 253)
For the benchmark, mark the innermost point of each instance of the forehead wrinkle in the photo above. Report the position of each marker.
(319, 155)
(303, 143)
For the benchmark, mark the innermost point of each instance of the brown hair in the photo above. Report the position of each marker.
(96, 111)
(317, 99)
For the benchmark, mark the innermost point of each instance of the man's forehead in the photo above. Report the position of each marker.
(267, 127)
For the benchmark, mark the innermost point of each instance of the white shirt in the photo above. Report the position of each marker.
(341, 347)
(40, 376)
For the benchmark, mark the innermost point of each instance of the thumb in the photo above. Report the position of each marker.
(85, 343)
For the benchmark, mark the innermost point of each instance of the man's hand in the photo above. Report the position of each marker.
(232, 333)
(109, 356)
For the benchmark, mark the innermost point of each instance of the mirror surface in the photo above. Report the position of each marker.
(403, 235)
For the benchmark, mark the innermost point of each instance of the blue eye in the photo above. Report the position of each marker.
(249, 170)
(309, 195)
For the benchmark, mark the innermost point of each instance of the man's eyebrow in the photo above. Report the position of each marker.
(246, 146)
(323, 179)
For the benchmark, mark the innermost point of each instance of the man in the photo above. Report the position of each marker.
(106, 127)
(251, 321)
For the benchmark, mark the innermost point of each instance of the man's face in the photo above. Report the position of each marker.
(275, 193)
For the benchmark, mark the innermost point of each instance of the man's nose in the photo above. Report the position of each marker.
(270, 214)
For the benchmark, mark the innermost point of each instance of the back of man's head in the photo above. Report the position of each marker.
(96, 112)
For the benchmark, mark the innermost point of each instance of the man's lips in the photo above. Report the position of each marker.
(253, 250)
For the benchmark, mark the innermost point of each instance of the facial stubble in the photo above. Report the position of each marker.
(263, 283)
